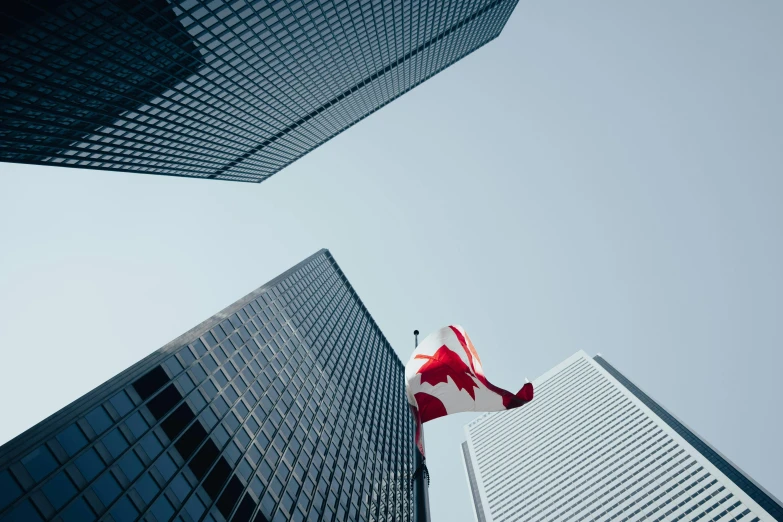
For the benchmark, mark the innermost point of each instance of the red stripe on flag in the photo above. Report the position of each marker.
(429, 407)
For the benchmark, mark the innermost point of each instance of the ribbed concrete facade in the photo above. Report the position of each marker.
(592, 446)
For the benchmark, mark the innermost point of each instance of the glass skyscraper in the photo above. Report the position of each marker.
(221, 89)
(287, 405)
(593, 447)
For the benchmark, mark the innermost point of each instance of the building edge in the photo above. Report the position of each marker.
(750, 487)
(44, 430)
(475, 495)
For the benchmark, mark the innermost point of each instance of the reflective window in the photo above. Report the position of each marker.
(72, 439)
(115, 443)
(24, 512)
(106, 488)
(78, 511)
(59, 490)
(90, 464)
(130, 465)
(147, 488)
(124, 511)
(39, 463)
(98, 420)
(121, 403)
(9, 489)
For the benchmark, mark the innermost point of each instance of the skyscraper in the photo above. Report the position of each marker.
(593, 446)
(287, 405)
(222, 90)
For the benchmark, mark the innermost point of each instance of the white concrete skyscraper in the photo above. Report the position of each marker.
(593, 446)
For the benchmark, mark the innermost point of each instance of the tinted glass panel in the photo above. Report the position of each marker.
(9, 489)
(130, 465)
(151, 382)
(124, 511)
(24, 512)
(106, 488)
(147, 488)
(98, 419)
(59, 490)
(90, 464)
(39, 463)
(72, 439)
(122, 403)
(162, 509)
(115, 443)
(78, 511)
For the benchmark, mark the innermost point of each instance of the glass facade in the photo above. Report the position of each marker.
(222, 90)
(756, 492)
(593, 447)
(287, 405)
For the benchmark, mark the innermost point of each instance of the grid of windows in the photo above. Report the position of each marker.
(288, 405)
(587, 450)
(226, 90)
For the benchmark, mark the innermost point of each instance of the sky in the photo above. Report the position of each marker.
(604, 176)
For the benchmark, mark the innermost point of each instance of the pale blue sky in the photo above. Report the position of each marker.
(605, 176)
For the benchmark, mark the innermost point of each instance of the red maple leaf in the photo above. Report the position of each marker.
(444, 364)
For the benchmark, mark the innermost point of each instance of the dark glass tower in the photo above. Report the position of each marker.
(225, 90)
(287, 405)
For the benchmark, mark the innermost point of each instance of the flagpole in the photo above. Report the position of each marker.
(421, 499)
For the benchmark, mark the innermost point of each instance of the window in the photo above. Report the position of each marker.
(124, 511)
(90, 464)
(121, 403)
(150, 382)
(72, 440)
(166, 466)
(187, 356)
(106, 488)
(39, 463)
(180, 487)
(98, 420)
(115, 443)
(216, 478)
(163, 402)
(136, 424)
(162, 509)
(147, 488)
(173, 365)
(9, 489)
(151, 445)
(59, 490)
(24, 512)
(131, 465)
(185, 382)
(229, 497)
(195, 507)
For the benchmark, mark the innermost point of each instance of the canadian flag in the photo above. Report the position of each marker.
(444, 376)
